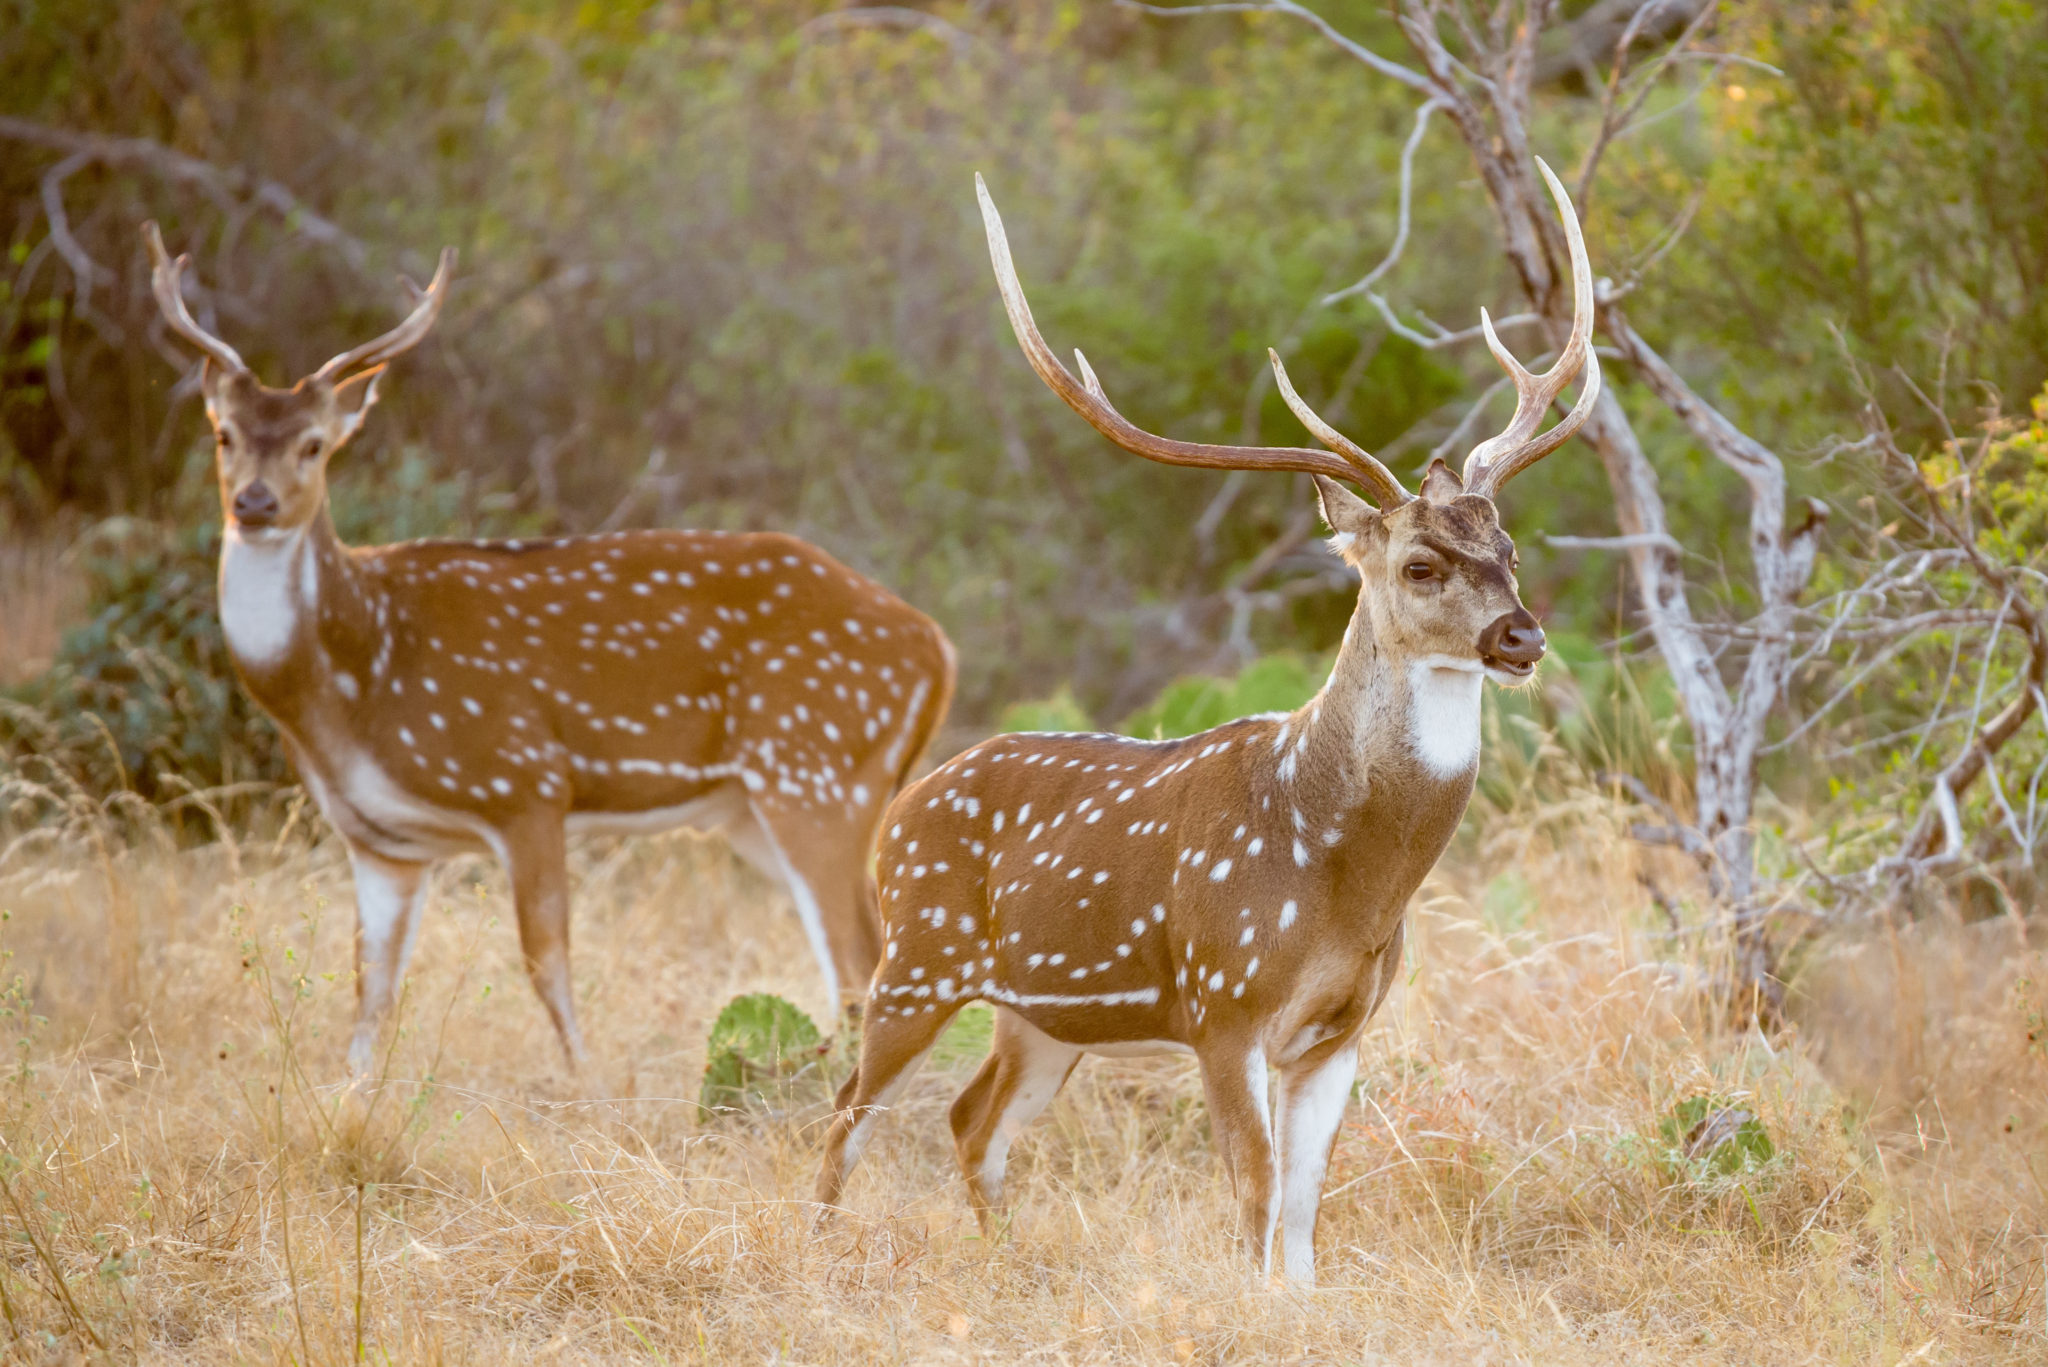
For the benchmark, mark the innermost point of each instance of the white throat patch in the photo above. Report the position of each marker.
(265, 582)
(1443, 713)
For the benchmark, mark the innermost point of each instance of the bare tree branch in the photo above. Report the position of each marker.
(226, 184)
(1357, 51)
(1371, 277)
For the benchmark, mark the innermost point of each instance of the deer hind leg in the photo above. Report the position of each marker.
(1234, 1082)
(825, 869)
(389, 895)
(1023, 1072)
(537, 862)
(1313, 1095)
(893, 1045)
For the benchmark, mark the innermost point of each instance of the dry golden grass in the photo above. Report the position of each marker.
(186, 1183)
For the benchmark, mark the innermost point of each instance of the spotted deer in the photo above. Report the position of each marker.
(444, 696)
(1238, 894)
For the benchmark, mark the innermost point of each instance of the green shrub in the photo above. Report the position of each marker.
(1709, 1135)
(1060, 712)
(762, 1049)
(1273, 683)
(968, 1036)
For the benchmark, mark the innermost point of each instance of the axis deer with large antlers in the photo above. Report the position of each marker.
(443, 696)
(1238, 894)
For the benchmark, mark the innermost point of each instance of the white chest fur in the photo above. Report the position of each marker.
(266, 584)
(1443, 715)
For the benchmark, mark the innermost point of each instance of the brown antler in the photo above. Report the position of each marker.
(407, 334)
(1499, 459)
(166, 278)
(1085, 397)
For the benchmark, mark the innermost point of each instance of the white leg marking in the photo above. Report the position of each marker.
(1045, 1062)
(1255, 1080)
(385, 909)
(756, 844)
(1312, 1106)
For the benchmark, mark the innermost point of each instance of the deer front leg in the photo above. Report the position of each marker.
(1234, 1080)
(893, 1046)
(1023, 1072)
(389, 895)
(537, 862)
(1313, 1095)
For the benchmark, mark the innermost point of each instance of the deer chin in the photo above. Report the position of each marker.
(1509, 673)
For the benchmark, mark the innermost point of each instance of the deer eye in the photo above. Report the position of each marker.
(310, 449)
(226, 439)
(1419, 571)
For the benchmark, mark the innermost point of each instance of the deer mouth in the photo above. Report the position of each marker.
(1509, 672)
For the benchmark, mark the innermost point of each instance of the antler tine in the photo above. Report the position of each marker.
(1087, 398)
(1498, 459)
(407, 334)
(167, 279)
(1386, 489)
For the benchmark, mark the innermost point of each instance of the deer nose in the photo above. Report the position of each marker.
(1514, 638)
(255, 504)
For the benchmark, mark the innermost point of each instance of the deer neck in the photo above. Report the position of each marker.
(1389, 726)
(294, 610)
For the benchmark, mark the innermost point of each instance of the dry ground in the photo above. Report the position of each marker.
(185, 1183)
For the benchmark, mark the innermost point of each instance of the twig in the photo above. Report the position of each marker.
(1658, 540)
(1371, 277)
(220, 183)
(1358, 51)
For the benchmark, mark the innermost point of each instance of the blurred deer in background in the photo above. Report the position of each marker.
(446, 696)
(1238, 894)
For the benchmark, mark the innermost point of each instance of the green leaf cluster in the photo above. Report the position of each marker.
(760, 1046)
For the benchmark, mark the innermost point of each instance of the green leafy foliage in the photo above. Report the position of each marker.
(141, 695)
(1060, 712)
(967, 1036)
(1709, 1135)
(761, 1048)
(1279, 682)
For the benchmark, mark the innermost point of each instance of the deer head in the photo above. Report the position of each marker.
(1438, 571)
(273, 445)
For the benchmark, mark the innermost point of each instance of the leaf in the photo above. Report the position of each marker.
(758, 1045)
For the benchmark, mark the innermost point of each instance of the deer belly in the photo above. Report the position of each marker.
(371, 811)
(1135, 1048)
(705, 812)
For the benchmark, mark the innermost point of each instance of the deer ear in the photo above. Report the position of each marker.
(354, 397)
(1348, 515)
(1440, 483)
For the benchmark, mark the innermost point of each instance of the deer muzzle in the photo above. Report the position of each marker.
(1512, 642)
(255, 505)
